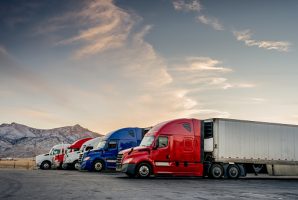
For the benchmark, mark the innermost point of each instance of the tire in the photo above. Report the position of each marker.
(64, 166)
(216, 171)
(98, 166)
(144, 170)
(233, 171)
(76, 165)
(45, 165)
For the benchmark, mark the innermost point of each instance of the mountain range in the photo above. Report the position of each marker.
(21, 141)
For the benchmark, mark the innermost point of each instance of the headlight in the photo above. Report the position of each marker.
(127, 160)
(87, 158)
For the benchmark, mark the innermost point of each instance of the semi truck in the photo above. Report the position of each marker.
(44, 161)
(214, 148)
(105, 154)
(71, 158)
(58, 160)
(87, 146)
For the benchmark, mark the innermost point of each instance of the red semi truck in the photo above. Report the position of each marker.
(215, 148)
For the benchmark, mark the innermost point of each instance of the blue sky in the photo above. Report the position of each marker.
(107, 64)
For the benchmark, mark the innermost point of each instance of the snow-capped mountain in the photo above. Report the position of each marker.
(17, 140)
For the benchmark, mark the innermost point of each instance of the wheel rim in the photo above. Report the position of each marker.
(233, 172)
(77, 165)
(46, 165)
(144, 171)
(98, 166)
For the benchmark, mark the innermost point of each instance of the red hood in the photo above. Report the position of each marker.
(134, 149)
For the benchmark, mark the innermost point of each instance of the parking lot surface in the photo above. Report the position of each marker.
(58, 184)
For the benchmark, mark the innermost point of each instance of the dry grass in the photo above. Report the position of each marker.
(20, 163)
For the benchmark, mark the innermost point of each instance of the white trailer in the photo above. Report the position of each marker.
(259, 144)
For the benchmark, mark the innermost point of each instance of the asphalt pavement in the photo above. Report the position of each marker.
(58, 184)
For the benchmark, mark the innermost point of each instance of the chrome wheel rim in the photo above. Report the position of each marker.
(144, 170)
(98, 166)
(46, 166)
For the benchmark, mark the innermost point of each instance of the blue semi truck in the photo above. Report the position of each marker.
(105, 155)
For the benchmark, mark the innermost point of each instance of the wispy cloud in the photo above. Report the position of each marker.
(102, 26)
(202, 64)
(213, 22)
(246, 37)
(187, 5)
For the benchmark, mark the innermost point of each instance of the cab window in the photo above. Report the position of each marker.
(162, 142)
(112, 145)
(55, 152)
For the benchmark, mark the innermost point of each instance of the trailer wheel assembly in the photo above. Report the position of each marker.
(144, 170)
(233, 171)
(216, 171)
(98, 165)
(45, 165)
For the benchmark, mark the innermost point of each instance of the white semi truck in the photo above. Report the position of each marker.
(44, 161)
(71, 159)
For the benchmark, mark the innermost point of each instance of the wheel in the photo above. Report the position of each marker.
(233, 171)
(216, 171)
(64, 166)
(144, 170)
(45, 165)
(98, 165)
(76, 165)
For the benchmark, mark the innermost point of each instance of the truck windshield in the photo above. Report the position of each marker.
(54, 151)
(101, 144)
(147, 141)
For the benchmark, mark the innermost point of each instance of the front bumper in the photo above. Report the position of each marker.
(128, 168)
(86, 165)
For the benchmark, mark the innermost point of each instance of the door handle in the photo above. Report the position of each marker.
(168, 156)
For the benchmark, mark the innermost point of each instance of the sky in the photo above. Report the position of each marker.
(108, 64)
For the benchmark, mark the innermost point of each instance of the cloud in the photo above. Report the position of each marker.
(203, 64)
(213, 22)
(208, 113)
(246, 36)
(102, 26)
(187, 5)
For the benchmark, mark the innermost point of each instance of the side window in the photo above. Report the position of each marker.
(187, 126)
(56, 151)
(112, 145)
(131, 133)
(162, 142)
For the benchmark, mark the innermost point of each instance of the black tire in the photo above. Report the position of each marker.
(45, 165)
(98, 166)
(216, 171)
(144, 170)
(63, 166)
(233, 171)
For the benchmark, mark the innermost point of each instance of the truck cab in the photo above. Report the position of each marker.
(87, 146)
(170, 148)
(70, 159)
(105, 154)
(45, 161)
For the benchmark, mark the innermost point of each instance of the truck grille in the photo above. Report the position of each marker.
(119, 160)
(80, 157)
